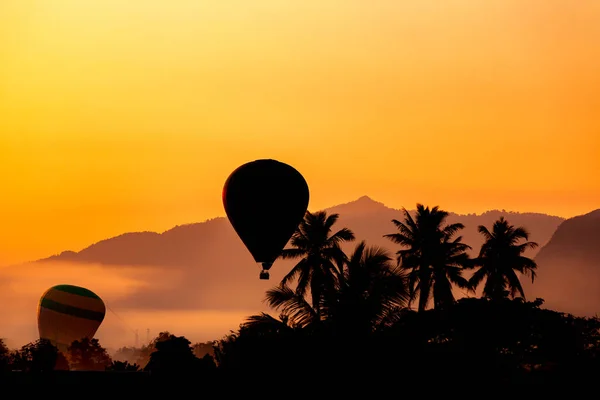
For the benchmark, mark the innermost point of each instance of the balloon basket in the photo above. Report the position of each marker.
(264, 275)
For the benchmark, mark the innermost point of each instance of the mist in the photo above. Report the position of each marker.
(22, 286)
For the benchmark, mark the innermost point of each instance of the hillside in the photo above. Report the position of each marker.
(219, 273)
(569, 266)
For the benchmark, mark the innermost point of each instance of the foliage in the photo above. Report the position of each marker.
(174, 354)
(369, 289)
(4, 356)
(39, 356)
(505, 340)
(141, 356)
(361, 318)
(431, 254)
(123, 366)
(320, 256)
(501, 258)
(88, 355)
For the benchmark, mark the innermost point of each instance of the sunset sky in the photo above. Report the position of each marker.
(120, 116)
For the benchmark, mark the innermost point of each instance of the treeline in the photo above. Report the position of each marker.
(353, 314)
(166, 352)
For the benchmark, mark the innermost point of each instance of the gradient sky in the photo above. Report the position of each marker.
(123, 116)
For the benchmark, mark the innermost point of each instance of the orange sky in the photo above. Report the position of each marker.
(122, 116)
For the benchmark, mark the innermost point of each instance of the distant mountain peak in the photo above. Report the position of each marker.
(366, 199)
(363, 204)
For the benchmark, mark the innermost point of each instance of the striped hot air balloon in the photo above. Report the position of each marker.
(67, 313)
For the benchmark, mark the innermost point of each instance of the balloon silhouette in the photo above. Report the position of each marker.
(265, 200)
(67, 313)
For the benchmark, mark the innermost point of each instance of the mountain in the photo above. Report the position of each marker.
(217, 271)
(569, 267)
(370, 220)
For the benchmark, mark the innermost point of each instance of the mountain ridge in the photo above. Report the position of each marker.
(366, 199)
(367, 203)
(569, 266)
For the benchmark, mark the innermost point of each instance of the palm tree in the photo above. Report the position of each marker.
(295, 310)
(264, 323)
(432, 257)
(448, 264)
(320, 256)
(373, 290)
(500, 257)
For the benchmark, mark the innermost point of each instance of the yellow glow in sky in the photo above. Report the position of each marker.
(124, 116)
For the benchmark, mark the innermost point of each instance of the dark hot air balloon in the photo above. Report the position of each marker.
(265, 200)
(67, 313)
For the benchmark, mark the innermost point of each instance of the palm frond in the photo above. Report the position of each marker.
(294, 273)
(343, 235)
(476, 279)
(291, 304)
(264, 322)
(450, 230)
(287, 254)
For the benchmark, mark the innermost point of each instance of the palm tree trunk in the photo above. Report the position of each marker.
(315, 292)
(424, 283)
(497, 285)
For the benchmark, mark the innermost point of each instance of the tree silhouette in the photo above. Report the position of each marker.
(175, 355)
(496, 342)
(4, 356)
(360, 320)
(39, 356)
(449, 262)
(266, 323)
(294, 307)
(500, 257)
(88, 355)
(144, 353)
(202, 349)
(264, 344)
(371, 289)
(122, 366)
(320, 256)
(433, 258)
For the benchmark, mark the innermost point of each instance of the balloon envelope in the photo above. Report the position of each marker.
(265, 200)
(67, 313)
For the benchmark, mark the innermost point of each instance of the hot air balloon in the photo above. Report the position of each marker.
(265, 200)
(67, 313)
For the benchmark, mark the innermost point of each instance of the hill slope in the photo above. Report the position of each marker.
(219, 272)
(569, 266)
